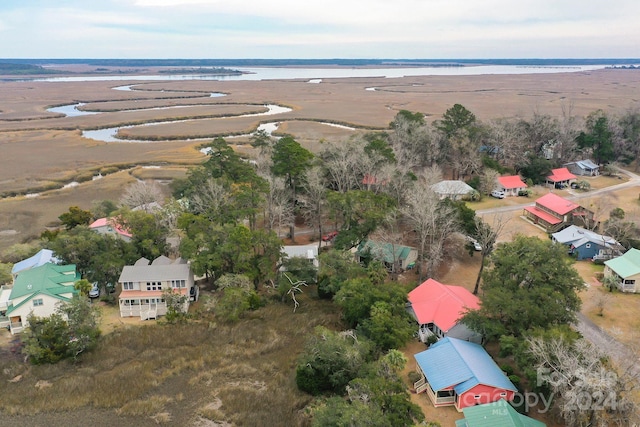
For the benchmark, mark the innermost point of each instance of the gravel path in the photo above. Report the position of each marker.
(621, 354)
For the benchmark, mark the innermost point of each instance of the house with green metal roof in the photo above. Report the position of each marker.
(394, 256)
(495, 414)
(38, 290)
(626, 270)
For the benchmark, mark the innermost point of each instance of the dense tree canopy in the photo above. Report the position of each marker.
(530, 283)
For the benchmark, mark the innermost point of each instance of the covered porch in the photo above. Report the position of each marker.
(16, 325)
(427, 330)
(445, 397)
(145, 308)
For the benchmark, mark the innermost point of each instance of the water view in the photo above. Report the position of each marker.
(285, 73)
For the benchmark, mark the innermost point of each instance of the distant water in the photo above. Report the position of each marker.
(313, 74)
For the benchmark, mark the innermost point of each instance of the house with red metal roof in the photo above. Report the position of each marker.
(560, 178)
(554, 213)
(510, 185)
(110, 226)
(438, 309)
(462, 374)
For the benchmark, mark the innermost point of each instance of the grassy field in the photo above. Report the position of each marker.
(199, 373)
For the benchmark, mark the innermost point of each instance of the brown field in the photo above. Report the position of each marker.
(43, 150)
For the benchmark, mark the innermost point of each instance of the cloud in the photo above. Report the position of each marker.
(330, 28)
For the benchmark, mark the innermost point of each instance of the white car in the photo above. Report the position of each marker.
(95, 290)
(476, 246)
(498, 194)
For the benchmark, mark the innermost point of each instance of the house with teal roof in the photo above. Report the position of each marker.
(496, 414)
(394, 256)
(626, 270)
(38, 290)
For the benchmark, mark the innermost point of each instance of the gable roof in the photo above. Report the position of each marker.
(143, 271)
(304, 251)
(496, 414)
(433, 302)
(560, 174)
(585, 164)
(462, 365)
(457, 187)
(50, 279)
(626, 265)
(110, 222)
(578, 236)
(42, 257)
(386, 251)
(556, 204)
(511, 181)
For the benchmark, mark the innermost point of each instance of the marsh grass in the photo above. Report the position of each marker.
(176, 371)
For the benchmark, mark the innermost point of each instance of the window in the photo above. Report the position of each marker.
(127, 286)
(38, 302)
(154, 286)
(629, 282)
(178, 284)
(503, 394)
(477, 397)
(588, 245)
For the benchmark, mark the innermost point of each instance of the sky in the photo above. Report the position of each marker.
(409, 29)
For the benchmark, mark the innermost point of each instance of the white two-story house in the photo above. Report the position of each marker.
(143, 283)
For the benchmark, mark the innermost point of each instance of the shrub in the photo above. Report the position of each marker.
(507, 369)
(330, 361)
(234, 302)
(432, 339)
(515, 380)
(414, 377)
(508, 345)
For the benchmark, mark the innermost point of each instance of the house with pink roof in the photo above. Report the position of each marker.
(110, 226)
(560, 178)
(553, 213)
(510, 185)
(439, 308)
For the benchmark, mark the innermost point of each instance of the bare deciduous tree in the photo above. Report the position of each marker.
(314, 199)
(143, 195)
(432, 222)
(209, 200)
(341, 160)
(278, 209)
(487, 235)
(587, 390)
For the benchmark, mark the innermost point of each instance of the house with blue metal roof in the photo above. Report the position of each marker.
(584, 167)
(461, 373)
(41, 258)
(587, 244)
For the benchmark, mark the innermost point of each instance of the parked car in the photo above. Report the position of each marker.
(476, 246)
(95, 290)
(330, 236)
(498, 194)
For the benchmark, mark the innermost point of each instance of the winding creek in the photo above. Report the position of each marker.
(312, 75)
